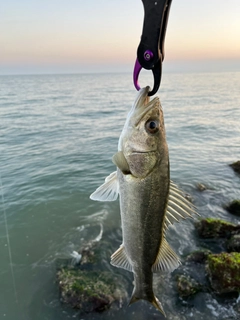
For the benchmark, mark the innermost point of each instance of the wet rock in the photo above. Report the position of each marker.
(234, 207)
(236, 306)
(187, 286)
(90, 291)
(87, 258)
(224, 272)
(176, 317)
(215, 228)
(188, 197)
(201, 187)
(89, 254)
(199, 256)
(236, 166)
(233, 244)
(85, 283)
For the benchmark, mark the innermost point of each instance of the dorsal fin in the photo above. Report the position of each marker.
(178, 207)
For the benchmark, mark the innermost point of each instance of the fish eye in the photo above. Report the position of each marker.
(152, 126)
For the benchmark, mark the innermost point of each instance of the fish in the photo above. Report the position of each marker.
(149, 201)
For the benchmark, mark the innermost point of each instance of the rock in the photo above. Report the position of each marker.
(233, 244)
(215, 228)
(236, 166)
(224, 272)
(188, 197)
(187, 286)
(89, 254)
(90, 290)
(201, 187)
(199, 256)
(175, 317)
(234, 207)
(236, 306)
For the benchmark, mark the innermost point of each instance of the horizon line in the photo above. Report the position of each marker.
(111, 72)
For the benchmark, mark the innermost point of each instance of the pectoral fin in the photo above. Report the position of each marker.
(107, 191)
(120, 161)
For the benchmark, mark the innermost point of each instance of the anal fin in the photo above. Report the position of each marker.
(167, 259)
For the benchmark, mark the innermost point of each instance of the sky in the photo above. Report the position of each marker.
(79, 36)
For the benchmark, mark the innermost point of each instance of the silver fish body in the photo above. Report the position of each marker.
(149, 201)
(142, 227)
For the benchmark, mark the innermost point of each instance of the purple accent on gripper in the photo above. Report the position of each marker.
(148, 55)
(137, 69)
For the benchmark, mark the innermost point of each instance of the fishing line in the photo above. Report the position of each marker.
(8, 242)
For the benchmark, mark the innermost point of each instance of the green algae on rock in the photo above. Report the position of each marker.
(233, 244)
(215, 228)
(224, 272)
(90, 291)
(198, 256)
(187, 286)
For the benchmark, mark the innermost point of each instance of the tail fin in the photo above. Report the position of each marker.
(153, 300)
(157, 304)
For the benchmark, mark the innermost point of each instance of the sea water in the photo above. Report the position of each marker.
(57, 136)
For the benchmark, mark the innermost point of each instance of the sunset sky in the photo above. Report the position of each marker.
(74, 36)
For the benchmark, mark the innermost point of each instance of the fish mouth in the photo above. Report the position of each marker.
(142, 97)
(141, 111)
